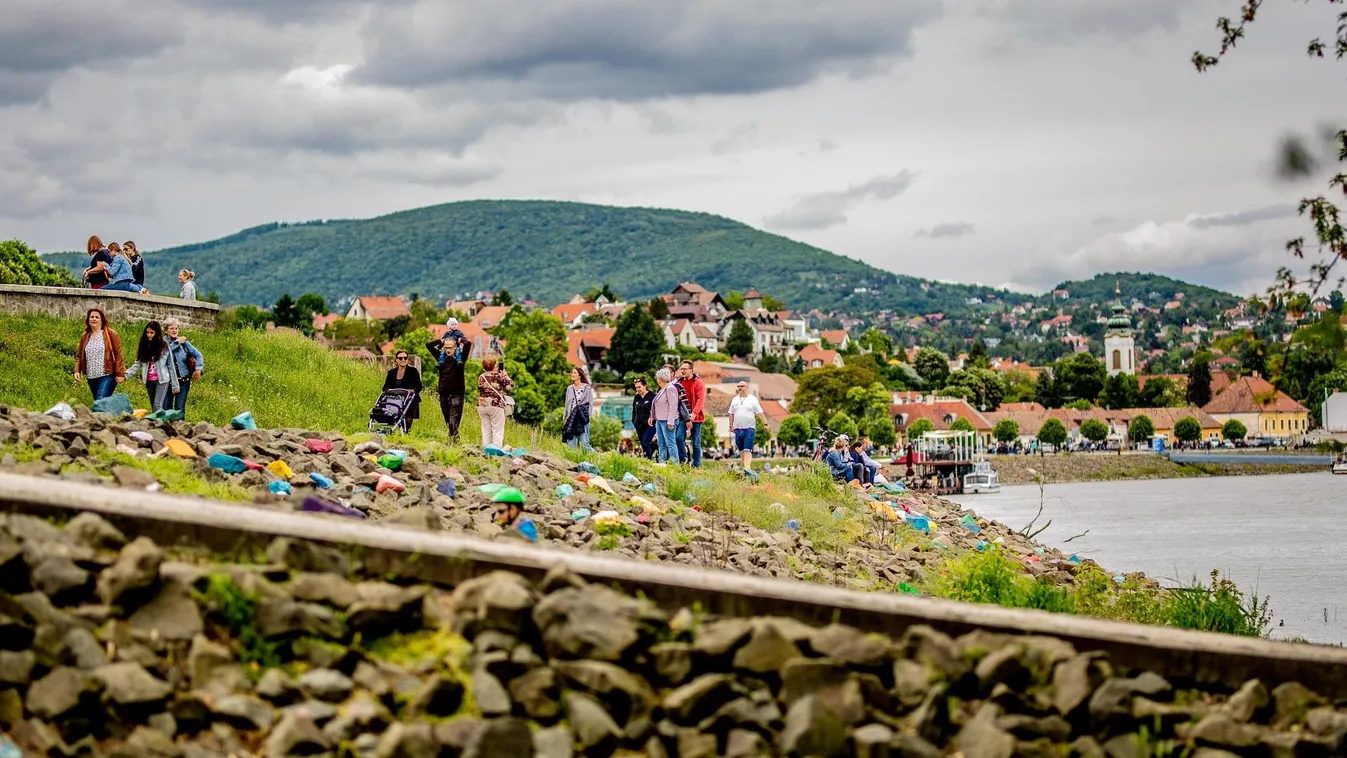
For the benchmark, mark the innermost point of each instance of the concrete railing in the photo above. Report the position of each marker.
(121, 307)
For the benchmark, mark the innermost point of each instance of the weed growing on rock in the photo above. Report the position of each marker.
(175, 475)
(23, 453)
(1218, 607)
(235, 610)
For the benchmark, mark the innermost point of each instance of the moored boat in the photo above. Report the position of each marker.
(983, 478)
(1340, 464)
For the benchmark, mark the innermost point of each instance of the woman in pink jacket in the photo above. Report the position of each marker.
(666, 416)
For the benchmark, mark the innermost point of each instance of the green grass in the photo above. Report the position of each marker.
(235, 610)
(175, 475)
(995, 578)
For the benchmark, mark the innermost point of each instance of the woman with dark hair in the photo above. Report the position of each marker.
(100, 258)
(99, 358)
(405, 376)
(153, 355)
(137, 262)
(579, 407)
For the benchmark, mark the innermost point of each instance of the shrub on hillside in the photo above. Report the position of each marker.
(20, 264)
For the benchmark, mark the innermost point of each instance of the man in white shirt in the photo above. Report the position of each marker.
(744, 412)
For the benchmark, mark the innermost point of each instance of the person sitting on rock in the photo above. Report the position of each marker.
(839, 461)
(511, 516)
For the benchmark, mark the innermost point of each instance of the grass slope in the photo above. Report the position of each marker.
(540, 249)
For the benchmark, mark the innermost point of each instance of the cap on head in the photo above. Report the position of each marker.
(508, 495)
(451, 322)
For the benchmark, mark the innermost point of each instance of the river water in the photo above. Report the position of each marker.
(1281, 536)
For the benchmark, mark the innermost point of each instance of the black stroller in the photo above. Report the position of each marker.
(389, 413)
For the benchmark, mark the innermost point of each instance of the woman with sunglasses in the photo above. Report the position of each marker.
(405, 376)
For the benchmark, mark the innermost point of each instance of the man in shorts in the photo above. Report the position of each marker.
(745, 410)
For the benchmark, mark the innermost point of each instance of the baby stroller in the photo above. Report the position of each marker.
(389, 413)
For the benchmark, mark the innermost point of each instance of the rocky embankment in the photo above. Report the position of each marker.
(111, 648)
(1109, 467)
(866, 548)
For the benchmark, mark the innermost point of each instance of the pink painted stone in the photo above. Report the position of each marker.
(387, 483)
(318, 446)
(254, 466)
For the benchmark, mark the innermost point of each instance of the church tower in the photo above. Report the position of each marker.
(1120, 348)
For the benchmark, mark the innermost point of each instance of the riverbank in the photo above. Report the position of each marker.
(799, 526)
(1107, 467)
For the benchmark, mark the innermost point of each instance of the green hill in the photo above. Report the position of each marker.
(1152, 289)
(540, 249)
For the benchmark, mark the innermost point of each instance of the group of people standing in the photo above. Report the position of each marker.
(169, 361)
(668, 421)
(121, 268)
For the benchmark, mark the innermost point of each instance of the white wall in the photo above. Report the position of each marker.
(1335, 413)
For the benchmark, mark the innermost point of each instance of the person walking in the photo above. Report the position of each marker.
(120, 276)
(745, 410)
(492, 384)
(188, 362)
(405, 376)
(579, 409)
(99, 260)
(666, 416)
(153, 355)
(137, 262)
(451, 355)
(695, 390)
(99, 357)
(187, 288)
(643, 417)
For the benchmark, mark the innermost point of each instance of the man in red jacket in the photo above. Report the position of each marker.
(695, 389)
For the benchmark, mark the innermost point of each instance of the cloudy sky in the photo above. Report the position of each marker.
(1009, 142)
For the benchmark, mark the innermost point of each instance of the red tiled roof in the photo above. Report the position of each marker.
(383, 308)
(770, 386)
(937, 411)
(1252, 394)
(490, 316)
(812, 353)
(322, 322)
(834, 336)
(570, 312)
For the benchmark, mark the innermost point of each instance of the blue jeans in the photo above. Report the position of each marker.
(180, 400)
(696, 444)
(126, 285)
(648, 444)
(582, 441)
(102, 387)
(668, 442)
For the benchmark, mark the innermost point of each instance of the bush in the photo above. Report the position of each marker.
(794, 430)
(1141, 429)
(605, 432)
(1187, 429)
(881, 432)
(1007, 430)
(20, 264)
(962, 425)
(918, 429)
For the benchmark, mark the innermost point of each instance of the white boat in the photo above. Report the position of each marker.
(983, 478)
(1340, 465)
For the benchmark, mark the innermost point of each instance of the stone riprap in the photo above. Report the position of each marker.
(120, 648)
(645, 524)
(121, 307)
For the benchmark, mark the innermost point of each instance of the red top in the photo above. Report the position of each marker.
(696, 392)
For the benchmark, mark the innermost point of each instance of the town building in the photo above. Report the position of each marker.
(1120, 347)
(377, 308)
(1264, 410)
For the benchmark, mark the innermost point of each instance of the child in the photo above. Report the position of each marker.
(455, 335)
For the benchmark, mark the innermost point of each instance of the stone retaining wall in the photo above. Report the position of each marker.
(121, 307)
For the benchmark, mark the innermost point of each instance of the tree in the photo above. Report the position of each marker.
(536, 340)
(1053, 432)
(20, 264)
(962, 424)
(977, 355)
(709, 439)
(504, 298)
(414, 342)
(1120, 391)
(311, 304)
(1233, 430)
(841, 423)
(761, 431)
(771, 363)
(395, 327)
(1199, 381)
(919, 428)
(985, 388)
(740, 342)
(1020, 386)
(1187, 429)
(605, 432)
(868, 402)
(881, 432)
(1159, 392)
(284, 313)
(1079, 405)
(605, 291)
(932, 365)
(825, 390)
(1047, 391)
(529, 407)
(1094, 430)
(637, 342)
(1081, 375)
(1141, 429)
(659, 310)
(1006, 430)
(876, 341)
(794, 431)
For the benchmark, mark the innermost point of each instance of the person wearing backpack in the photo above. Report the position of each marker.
(451, 354)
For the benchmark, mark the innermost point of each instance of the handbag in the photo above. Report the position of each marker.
(509, 405)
